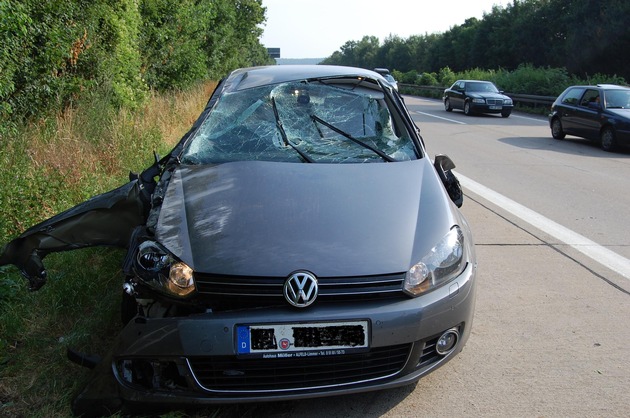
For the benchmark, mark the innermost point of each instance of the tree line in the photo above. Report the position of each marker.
(54, 52)
(585, 37)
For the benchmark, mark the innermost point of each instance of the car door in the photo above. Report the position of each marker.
(567, 109)
(457, 95)
(586, 117)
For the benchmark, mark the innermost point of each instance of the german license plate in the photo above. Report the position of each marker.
(302, 340)
(496, 107)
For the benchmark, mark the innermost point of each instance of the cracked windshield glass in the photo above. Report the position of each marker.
(301, 122)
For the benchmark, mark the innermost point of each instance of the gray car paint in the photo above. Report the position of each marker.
(269, 219)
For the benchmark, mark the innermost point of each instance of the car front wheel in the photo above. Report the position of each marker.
(447, 105)
(506, 113)
(608, 141)
(556, 129)
(467, 109)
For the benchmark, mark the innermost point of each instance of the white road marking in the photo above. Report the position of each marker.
(439, 117)
(545, 121)
(580, 243)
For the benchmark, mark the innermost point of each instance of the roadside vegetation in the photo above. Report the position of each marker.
(46, 167)
(526, 79)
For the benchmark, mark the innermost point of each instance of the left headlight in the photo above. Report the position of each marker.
(444, 262)
(508, 102)
(159, 269)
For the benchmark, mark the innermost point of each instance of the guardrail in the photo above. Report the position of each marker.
(529, 99)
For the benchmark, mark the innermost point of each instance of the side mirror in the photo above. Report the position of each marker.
(444, 166)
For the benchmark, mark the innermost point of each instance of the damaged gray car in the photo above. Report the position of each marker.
(297, 242)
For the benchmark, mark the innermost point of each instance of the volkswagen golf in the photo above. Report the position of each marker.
(297, 242)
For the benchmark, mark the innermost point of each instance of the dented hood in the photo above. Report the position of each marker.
(270, 219)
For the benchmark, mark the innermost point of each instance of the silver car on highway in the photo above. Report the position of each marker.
(297, 242)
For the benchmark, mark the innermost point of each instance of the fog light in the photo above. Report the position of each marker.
(447, 342)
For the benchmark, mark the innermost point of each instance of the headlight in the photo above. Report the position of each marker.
(507, 101)
(161, 271)
(444, 262)
(479, 101)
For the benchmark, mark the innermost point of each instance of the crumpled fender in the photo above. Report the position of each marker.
(107, 219)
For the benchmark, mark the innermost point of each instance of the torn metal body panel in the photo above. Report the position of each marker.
(107, 219)
(300, 227)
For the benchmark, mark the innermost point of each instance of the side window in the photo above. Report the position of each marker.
(591, 96)
(573, 96)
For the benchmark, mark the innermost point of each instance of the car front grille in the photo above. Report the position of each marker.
(244, 291)
(494, 102)
(231, 374)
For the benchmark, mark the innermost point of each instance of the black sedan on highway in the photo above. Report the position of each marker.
(476, 96)
(297, 242)
(599, 113)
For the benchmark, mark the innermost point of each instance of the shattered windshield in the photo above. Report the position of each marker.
(301, 122)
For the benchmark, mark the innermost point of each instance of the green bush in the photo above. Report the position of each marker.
(54, 52)
(447, 77)
(526, 79)
(428, 79)
(410, 77)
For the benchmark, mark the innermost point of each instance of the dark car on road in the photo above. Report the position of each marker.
(297, 242)
(599, 113)
(476, 96)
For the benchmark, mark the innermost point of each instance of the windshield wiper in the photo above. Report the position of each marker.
(353, 139)
(283, 134)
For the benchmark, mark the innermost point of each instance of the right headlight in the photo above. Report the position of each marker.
(444, 262)
(159, 269)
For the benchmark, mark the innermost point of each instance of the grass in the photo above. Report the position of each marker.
(46, 167)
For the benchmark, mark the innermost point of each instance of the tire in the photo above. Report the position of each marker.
(556, 129)
(447, 105)
(467, 109)
(506, 113)
(608, 141)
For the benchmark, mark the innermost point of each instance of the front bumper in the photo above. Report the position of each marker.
(486, 108)
(183, 361)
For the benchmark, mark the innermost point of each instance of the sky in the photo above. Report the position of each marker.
(317, 28)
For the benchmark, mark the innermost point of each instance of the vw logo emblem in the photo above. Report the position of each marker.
(300, 289)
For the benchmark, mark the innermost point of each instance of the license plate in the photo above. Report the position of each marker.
(302, 340)
(496, 107)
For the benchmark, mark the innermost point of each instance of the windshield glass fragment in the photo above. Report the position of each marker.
(282, 122)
